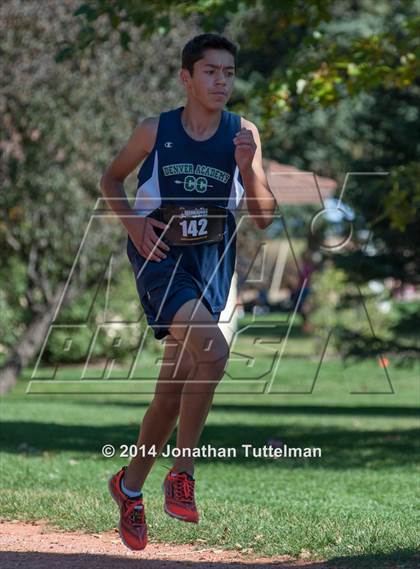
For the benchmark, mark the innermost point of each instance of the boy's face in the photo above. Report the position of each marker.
(212, 81)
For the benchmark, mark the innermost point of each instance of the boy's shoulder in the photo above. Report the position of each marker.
(244, 122)
(149, 127)
(151, 123)
(145, 133)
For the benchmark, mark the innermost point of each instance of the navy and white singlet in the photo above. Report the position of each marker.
(180, 170)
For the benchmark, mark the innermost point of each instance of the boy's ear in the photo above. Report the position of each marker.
(184, 76)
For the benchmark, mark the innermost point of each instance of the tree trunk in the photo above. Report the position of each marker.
(27, 347)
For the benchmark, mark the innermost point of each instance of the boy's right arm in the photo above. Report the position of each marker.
(135, 151)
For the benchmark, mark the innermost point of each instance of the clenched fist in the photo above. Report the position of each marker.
(245, 148)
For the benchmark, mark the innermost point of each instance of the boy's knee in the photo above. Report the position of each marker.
(219, 352)
(211, 348)
(213, 364)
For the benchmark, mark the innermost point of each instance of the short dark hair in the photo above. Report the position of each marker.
(194, 49)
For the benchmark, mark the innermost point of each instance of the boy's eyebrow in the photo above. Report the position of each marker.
(217, 66)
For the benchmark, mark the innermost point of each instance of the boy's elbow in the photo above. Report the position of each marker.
(259, 223)
(105, 180)
(263, 222)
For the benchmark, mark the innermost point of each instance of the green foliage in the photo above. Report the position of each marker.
(340, 94)
(108, 332)
(12, 302)
(335, 69)
(329, 50)
(59, 130)
(403, 201)
(365, 320)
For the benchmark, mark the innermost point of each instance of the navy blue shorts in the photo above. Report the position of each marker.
(162, 302)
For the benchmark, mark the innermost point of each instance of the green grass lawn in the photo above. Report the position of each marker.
(356, 504)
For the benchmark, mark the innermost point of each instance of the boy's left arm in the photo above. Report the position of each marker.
(248, 155)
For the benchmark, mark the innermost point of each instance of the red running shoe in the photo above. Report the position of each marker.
(179, 496)
(132, 525)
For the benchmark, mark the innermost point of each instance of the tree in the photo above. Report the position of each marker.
(61, 124)
(315, 61)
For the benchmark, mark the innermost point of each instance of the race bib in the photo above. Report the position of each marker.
(194, 225)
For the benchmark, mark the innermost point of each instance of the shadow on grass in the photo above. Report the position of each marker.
(275, 409)
(33, 560)
(341, 448)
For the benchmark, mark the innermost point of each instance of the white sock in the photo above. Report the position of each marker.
(130, 493)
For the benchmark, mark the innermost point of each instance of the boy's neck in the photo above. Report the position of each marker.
(198, 121)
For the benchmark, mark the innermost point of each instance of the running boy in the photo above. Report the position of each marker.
(199, 161)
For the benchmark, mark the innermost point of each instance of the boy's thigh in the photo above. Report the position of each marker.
(197, 330)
